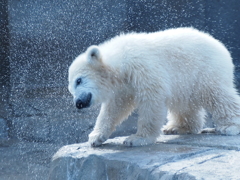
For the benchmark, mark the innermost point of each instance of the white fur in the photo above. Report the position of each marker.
(180, 72)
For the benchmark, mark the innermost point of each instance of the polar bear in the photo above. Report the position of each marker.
(177, 73)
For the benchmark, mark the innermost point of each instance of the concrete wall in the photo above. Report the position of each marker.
(4, 70)
(43, 37)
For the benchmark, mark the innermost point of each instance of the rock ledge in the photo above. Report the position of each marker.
(173, 157)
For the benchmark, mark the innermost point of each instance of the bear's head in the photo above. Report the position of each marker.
(88, 78)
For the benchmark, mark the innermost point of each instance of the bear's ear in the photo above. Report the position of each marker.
(93, 54)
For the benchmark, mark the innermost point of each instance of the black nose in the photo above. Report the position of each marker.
(84, 101)
(79, 104)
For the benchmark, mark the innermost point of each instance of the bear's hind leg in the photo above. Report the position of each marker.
(225, 109)
(190, 122)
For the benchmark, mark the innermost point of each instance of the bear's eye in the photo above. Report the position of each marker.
(78, 82)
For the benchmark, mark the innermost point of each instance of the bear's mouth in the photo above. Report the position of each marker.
(84, 101)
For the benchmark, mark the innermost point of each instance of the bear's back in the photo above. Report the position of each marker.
(168, 48)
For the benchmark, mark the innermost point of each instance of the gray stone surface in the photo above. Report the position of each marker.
(187, 157)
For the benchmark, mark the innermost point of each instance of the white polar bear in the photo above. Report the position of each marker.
(178, 72)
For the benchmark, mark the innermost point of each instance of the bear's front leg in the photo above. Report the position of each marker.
(104, 126)
(111, 114)
(151, 118)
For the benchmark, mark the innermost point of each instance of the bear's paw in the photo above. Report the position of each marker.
(229, 130)
(96, 139)
(135, 140)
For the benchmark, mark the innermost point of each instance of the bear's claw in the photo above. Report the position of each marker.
(208, 130)
(170, 131)
(173, 130)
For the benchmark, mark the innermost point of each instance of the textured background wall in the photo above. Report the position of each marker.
(4, 69)
(41, 38)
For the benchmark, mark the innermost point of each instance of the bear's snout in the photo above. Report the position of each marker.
(84, 101)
